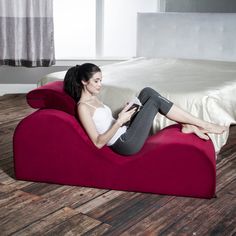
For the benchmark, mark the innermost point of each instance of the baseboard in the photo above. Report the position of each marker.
(16, 88)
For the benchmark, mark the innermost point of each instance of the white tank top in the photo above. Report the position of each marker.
(103, 121)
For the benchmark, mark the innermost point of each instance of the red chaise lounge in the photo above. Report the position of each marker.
(51, 146)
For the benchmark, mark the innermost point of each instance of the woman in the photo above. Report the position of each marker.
(83, 84)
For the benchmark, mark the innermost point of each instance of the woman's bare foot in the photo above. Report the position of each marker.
(213, 128)
(188, 129)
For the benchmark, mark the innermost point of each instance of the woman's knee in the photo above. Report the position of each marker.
(149, 91)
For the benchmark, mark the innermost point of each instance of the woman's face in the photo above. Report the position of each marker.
(94, 84)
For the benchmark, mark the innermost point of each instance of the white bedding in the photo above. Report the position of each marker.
(204, 88)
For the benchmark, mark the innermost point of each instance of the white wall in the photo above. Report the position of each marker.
(22, 79)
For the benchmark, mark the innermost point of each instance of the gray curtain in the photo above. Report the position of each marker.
(26, 33)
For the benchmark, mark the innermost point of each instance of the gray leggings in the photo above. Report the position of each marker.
(133, 139)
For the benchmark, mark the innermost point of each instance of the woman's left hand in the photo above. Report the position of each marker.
(126, 114)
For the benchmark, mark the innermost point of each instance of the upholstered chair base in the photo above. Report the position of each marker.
(51, 146)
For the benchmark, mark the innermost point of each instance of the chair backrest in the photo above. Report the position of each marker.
(52, 96)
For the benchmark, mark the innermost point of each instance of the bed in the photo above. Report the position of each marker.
(190, 58)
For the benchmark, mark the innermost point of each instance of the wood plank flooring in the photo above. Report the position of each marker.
(28, 208)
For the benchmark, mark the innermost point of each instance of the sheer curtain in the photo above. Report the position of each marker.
(26, 33)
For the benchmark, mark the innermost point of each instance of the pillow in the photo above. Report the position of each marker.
(53, 96)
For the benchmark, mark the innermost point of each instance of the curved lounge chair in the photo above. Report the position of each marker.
(51, 146)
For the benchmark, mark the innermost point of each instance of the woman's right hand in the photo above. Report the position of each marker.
(125, 115)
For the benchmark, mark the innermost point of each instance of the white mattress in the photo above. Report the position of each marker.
(206, 89)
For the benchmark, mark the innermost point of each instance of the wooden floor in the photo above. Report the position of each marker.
(28, 208)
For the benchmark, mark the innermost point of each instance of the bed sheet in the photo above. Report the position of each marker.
(206, 89)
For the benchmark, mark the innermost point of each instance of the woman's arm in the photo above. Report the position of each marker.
(100, 140)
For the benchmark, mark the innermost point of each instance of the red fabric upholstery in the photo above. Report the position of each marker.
(51, 146)
(51, 95)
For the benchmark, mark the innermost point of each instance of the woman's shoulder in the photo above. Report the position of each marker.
(83, 108)
(86, 104)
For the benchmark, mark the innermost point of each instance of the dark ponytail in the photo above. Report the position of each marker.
(73, 79)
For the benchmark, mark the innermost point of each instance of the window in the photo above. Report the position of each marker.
(92, 28)
(74, 28)
(120, 28)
